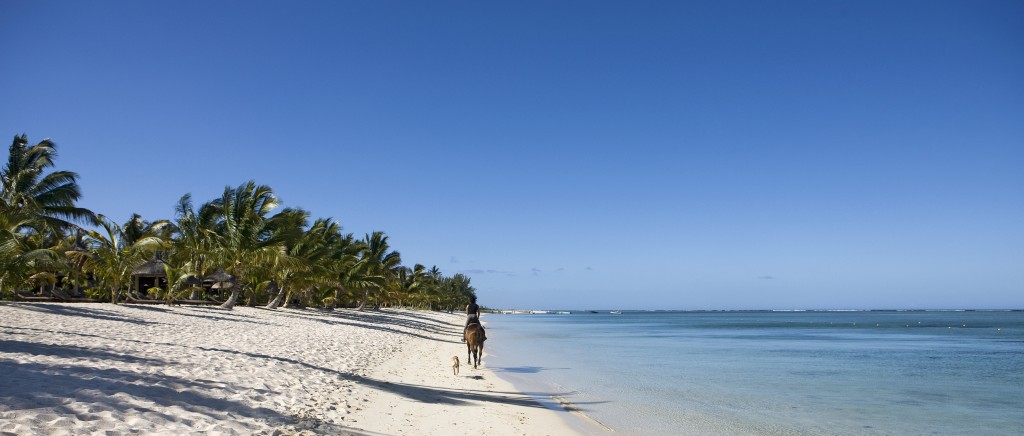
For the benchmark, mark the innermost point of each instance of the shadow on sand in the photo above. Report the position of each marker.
(93, 385)
(40, 385)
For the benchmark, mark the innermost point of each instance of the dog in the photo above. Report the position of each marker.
(455, 365)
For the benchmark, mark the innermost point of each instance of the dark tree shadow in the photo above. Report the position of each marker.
(62, 384)
(71, 382)
(73, 352)
(88, 312)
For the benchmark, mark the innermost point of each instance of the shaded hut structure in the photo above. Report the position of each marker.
(149, 275)
(218, 281)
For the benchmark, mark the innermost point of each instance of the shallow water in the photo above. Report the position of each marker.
(774, 372)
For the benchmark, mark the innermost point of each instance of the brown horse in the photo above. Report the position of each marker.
(474, 344)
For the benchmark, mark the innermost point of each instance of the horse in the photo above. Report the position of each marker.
(474, 343)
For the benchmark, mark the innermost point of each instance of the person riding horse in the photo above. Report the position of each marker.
(472, 317)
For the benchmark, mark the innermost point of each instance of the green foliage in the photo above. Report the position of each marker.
(272, 258)
(113, 256)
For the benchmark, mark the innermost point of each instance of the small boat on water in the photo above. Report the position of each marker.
(616, 312)
(594, 311)
(563, 312)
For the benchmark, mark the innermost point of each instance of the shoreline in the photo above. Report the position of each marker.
(122, 369)
(550, 396)
(429, 399)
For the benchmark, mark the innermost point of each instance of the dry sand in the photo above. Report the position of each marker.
(140, 369)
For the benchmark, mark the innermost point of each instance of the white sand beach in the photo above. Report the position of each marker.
(144, 369)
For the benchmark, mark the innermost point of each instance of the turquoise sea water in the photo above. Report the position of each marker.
(899, 372)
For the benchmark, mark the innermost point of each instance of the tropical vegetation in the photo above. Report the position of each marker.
(238, 248)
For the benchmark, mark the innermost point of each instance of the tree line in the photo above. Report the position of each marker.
(262, 254)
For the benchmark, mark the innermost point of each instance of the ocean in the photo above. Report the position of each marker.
(771, 373)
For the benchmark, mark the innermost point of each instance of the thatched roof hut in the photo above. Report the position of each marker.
(153, 268)
(150, 274)
(218, 276)
(219, 279)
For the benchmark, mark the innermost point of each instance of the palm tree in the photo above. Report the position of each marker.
(246, 235)
(431, 289)
(20, 250)
(455, 291)
(137, 228)
(378, 260)
(75, 255)
(37, 209)
(193, 246)
(113, 258)
(411, 284)
(179, 282)
(347, 271)
(310, 254)
(50, 197)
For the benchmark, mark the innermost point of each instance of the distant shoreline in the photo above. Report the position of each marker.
(596, 311)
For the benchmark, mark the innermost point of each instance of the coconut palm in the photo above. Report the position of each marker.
(378, 260)
(352, 277)
(455, 291)
(20, 250)
(75, 255)
(247, 235)
(179, 283)
(193, 243)
(432, 287)
(113, 258)
(311, 253)
(411, 284)
(137, 228)
(48, 197)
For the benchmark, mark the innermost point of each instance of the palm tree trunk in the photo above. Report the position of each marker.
(334, 302)
(366, 296)
(199, 269)
(236, 287)
(287, 300)
(192, 294)
(230, 304)
(280, 294)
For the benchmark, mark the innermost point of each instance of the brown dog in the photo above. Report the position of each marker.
(455, 365)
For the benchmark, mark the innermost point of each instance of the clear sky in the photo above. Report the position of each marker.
(617, 155)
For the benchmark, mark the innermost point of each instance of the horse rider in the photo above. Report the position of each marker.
(472, 317)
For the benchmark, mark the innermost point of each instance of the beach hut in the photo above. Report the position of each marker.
(149, 275)
(217, 281)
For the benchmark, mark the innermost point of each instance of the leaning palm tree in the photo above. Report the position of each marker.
(411, 284)
(247, 235)
(347, 272)
(310, 254)
(378, 261)
(26, 187)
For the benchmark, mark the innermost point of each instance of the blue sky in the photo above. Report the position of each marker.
(670, 155)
